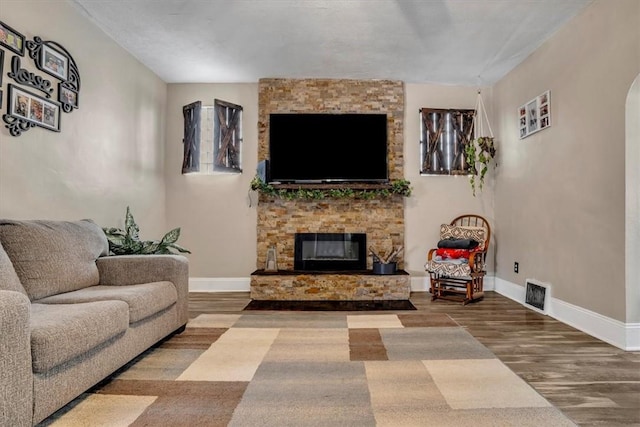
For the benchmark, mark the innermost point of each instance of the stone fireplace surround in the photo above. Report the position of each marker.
(381, 219)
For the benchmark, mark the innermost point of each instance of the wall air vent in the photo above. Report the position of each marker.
(537, 295)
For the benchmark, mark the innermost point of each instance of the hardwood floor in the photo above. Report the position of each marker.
(592, 382)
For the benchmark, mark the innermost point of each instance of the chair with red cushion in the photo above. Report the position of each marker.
(453, 276)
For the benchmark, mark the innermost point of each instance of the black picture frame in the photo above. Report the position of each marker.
(53, 62)
(11, 39)
(33, 109)
(1, 65)
(68, 97)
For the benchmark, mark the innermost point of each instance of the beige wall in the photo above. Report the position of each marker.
(632, 232)
(560, 198)
(110, 151)
(218, 224)
(438, 199)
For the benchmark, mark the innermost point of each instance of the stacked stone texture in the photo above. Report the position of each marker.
(382, 219)
(333, 287)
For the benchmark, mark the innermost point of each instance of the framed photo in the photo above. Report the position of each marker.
(11, 39)
(535, 115)
(532, 117)
(67, 96)
(544, 110)
(53, 62)
(32, 108)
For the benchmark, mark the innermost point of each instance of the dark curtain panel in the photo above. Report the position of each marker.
(228, 138)
(191, 141)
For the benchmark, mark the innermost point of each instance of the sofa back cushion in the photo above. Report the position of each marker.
(52, 257)
(9, 280)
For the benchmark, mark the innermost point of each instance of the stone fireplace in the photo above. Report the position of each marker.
(380, 219)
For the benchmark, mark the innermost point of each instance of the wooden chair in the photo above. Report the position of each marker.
(460, 281)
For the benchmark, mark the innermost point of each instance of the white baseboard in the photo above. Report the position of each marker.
(219, 284)
(420, 283)
(622, 335)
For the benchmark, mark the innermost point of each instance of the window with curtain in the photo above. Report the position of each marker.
(443, 138)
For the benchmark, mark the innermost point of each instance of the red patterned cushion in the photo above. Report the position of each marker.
(453, 253)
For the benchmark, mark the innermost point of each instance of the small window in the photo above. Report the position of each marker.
(212, 138)
(443, 138)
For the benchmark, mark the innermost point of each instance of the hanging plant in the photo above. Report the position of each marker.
(481, 150)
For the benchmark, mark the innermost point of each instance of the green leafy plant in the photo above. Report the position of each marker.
(127, 241)
(400, 187)
(479, 153)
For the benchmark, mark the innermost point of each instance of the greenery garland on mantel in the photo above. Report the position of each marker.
(399, 187)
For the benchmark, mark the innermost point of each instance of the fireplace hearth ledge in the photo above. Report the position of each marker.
(289, 285)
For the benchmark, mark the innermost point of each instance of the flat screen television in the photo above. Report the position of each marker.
(322, 147)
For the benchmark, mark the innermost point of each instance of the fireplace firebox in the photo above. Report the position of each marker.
(330, 251)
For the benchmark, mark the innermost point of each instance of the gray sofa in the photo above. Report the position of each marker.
(70, 315)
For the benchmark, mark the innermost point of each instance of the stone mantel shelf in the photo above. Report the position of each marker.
(332, 186)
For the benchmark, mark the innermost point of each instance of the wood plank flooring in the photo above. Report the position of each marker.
(592, 382)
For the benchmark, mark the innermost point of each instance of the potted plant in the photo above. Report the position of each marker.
(127, 241)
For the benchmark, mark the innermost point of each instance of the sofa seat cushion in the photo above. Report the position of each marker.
(144, 300)
(62, 332)
(51, 257)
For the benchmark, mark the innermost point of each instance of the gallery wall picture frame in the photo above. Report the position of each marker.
(67, 96)
(11, 39)
(52, 58)
(53, 62)
(26, 109)
(1, 67)
(535, 115)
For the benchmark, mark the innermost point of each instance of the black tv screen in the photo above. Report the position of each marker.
(328, 147)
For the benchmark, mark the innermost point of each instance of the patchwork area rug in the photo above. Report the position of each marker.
(315, 369)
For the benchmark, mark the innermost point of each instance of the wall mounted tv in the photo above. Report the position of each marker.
(323, 147)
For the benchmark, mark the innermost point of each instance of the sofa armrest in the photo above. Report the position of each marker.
(16, 377)
(137, 269)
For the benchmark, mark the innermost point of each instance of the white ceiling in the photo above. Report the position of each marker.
(462, 42)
